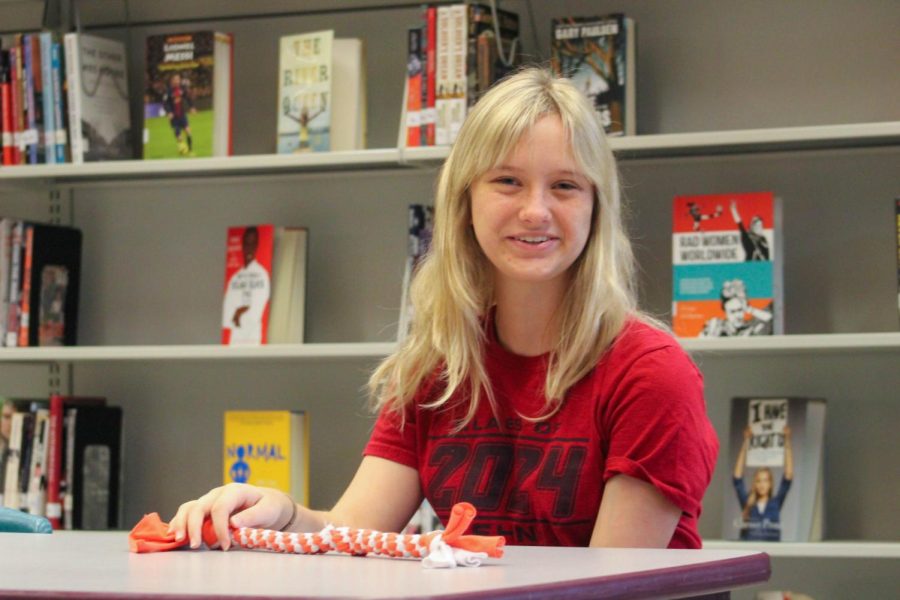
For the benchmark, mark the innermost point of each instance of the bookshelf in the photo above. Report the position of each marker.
(817, 125)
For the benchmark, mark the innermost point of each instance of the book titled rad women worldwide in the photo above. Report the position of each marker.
(727, 258)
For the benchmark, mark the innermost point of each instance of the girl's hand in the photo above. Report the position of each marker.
(237, 504)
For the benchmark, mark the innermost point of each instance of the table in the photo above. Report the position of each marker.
(98, 565)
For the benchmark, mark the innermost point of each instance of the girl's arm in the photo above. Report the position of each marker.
(788, 455)
(742, 455)
(634, 514)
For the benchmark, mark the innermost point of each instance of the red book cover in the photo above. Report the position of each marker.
(25, 302)
(54, 462)
(430, 58)
(6, 121)
(248, 285)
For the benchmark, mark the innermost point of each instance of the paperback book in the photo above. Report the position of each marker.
(248, 285)
(776, 453)
(598, 55)
(268, 448)
(727, 259)
(188, 95)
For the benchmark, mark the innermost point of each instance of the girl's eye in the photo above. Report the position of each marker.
(568, 185)
(505, 180)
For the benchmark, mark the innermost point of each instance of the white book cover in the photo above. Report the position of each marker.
(99, 115)
(305, 92)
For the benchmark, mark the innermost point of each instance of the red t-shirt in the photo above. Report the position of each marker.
(640, 412)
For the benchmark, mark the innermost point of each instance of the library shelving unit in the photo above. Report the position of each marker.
(797, 98)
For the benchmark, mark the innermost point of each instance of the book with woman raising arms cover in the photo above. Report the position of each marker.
(775, 456)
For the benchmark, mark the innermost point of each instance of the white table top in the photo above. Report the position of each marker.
(98, 564)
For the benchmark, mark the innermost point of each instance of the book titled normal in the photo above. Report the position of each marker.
(268, 448)
(727, 265)
(775, 454)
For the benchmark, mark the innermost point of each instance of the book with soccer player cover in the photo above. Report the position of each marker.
(598, 55)
(268, 448)
(776, 461)
(248, 284)
(51, 267)
(97, 88)
(188, 95)
(93, 467)
(727, 264)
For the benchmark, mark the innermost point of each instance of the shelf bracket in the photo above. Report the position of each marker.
(59, 378)
(60, 205)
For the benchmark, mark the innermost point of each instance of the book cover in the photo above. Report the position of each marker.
(305, 92)
(727, 259)
(348, 102)
(442, 76)
(248, 284)
(49, 305)
(188, 95)
(60, 116)
(45, 40)
(429, 115)
(776, 453)
(95, 442)
(598, 55)
(97, 87)
(268, 448)
(17, 98)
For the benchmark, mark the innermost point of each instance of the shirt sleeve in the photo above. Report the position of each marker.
(394, 441)
(657, 428)
(740, 490)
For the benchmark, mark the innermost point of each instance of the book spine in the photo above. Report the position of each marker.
(15, 70)
(54, 461)
(458, 48)
(428, 111)
(13, 457)
(73, 91)
(31, 133)
(25, 301)
(442, 75)
(414, 88)
(15, 277)
(58, 112)
(6, 122)
(46, 42)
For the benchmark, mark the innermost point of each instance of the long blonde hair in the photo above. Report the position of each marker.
(452, 291)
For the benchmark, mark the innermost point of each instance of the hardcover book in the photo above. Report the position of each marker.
(288, 303)
(775, 451)
(97, 88)
(305, 92)
(48, 314)
(268, 448)
(727, 260)
(598, 55)
(93, 467)
(248, 285)
(188, 95)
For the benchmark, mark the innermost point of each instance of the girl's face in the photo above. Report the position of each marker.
(762, 483)
(532, 213)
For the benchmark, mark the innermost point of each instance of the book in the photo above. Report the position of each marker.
(188, 95)
(414, 68)
(598, 55)
(34, 99)
(60, 137)
(48, 314)
(97, 88)
(13, 462)
(60, 457)
(6, 120)
(321, 93)
(288, 310)
(94, 467)
(489, 59)
(248, 284)
(45, 41)
(421, 229)
(776, 453)
(268, 448)
(727, 265)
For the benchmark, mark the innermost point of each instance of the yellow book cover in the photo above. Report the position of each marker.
(268, 448)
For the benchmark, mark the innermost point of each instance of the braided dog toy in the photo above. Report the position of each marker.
(437, 549)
